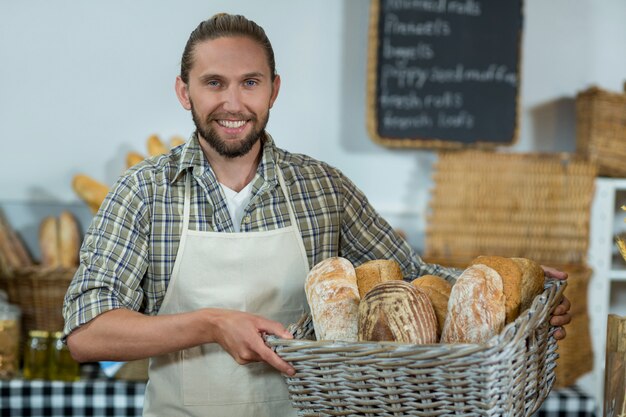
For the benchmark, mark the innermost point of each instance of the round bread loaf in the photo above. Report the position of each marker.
(533, 280)
(396, 311)
(511, 280)
(333, 297)
(374, 272)
(438, 291)
(476, 309)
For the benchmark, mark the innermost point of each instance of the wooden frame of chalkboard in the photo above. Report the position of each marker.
(444, 73)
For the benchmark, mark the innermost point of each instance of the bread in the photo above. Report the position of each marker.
(90, 191)
(333, 296)
(176, 141)
(476, 309)
(374, 272)
(533, 280)
(133, 158)
(396, 311)
(511, 275)
(156, 146)
(438, 291)
(49, 242)
(69, 240)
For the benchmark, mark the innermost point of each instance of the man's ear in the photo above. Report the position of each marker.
(182, 92)
(275, 88)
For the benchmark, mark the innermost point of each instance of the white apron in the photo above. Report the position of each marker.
(258, 272)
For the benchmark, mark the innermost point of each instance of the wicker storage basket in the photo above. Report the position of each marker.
(601, 129)
(510, 375)
(39, 292)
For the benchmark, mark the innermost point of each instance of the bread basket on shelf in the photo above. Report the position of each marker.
(510, 375)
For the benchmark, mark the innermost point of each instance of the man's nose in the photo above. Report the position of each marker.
(232, 100)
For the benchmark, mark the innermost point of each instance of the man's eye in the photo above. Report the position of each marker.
(250, 83)
(213, 83)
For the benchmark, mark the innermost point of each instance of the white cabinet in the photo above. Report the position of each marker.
(607, 288)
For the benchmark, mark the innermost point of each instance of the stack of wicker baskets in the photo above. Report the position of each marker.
(601, 129)
(519, 205)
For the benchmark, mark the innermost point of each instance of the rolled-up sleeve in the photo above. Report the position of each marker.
(113, 259)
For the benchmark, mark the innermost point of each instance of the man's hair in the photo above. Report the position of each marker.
(225, 25)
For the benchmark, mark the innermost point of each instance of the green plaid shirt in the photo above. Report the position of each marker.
(129, 251)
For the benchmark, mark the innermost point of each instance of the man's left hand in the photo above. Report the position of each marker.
(560, 316)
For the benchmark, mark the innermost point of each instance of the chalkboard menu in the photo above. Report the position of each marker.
(444, 73)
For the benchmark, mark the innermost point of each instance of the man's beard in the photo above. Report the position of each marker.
(208, 133)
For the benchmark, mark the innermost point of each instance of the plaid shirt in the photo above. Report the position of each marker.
(129, 251)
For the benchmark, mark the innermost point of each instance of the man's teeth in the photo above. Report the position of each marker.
(232, 124)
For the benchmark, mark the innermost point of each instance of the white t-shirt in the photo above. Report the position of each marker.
(237, 202)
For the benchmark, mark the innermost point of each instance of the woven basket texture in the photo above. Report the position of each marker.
(601, 129)
(534, 206)
(509, 375)
(39, 292)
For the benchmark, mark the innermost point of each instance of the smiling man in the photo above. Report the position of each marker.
(195, 254)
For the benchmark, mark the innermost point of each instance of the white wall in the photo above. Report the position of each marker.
(82, 83)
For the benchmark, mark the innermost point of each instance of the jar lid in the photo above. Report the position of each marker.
(38, 333)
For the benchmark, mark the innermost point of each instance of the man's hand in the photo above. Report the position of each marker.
(560, 316)
(240, 334)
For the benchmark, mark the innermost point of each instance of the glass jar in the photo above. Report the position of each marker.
(9, 340)
(36, 355)
(61, 365)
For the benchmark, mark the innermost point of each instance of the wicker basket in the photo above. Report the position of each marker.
(601, 129)
(39, 292)
(510, 375)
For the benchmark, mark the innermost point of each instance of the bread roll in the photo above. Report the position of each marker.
(438, 291)
(533, 280)
(374, 272)
(133, 158)
(332, 293)
(49, 242)
(511, 275)
(476, 309)
(90, 191)
(69, 240)
(156, 146)
(396, 311)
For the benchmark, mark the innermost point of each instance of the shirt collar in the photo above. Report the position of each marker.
(192, 159)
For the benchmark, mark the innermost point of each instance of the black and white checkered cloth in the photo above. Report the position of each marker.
(99, 396)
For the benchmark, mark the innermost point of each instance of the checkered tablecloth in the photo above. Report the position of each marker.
(106, 397)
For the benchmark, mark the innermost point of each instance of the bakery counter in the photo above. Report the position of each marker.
(101, 397)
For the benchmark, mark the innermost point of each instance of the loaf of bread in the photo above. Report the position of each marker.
(438, 291)
(155, 146)
(133, 158)
(511, 275)
(476, 309)
(49, 242)
(374, 272)
(176, 141)
(69, 240)
(333, 296)
(396, 311)
(533, 280)
(90, 191)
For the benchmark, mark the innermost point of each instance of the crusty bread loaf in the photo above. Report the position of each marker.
(511, 275)
(49, 242)
(333, 297)
(476, 309)
(397, 311)
(438, 291)
(533, 280)
(374, 272)
(69, 240)
(90, 191)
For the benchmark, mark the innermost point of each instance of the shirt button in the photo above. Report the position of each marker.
(246, 219)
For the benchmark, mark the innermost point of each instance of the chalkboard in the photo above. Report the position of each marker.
(444, 73)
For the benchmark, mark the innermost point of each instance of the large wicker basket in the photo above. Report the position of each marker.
(510, 375)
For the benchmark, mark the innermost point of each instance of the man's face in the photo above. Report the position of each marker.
(230, 92)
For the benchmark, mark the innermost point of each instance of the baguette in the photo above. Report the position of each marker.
(90, 191)
(156, 146)
(49, 242)
(333, 297)
(69, 240)
(133, 158)
(476, 309)
(176, 141)
(374, 272)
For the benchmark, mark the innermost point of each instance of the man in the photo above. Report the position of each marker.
(196, 254)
